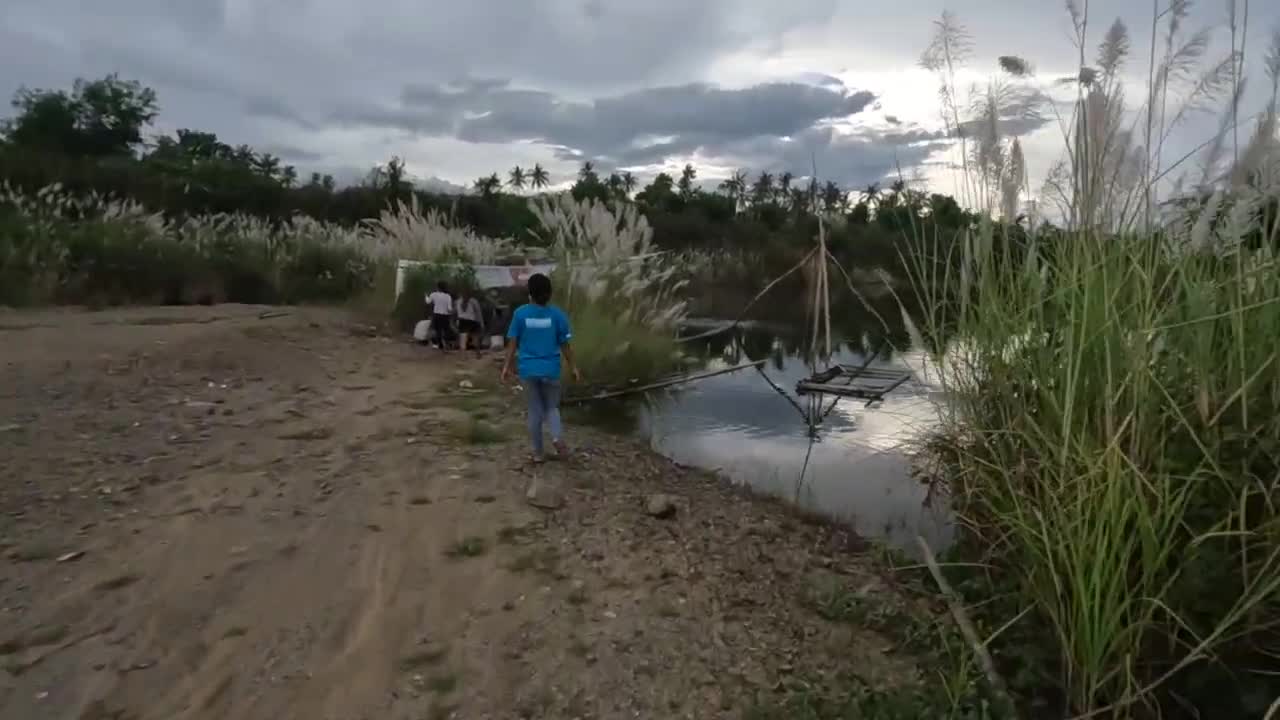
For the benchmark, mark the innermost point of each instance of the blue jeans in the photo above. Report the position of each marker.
(544, 404)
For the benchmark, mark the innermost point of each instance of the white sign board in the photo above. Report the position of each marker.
(487, 276)
(500, 276)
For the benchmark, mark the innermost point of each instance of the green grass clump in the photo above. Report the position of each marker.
(1113, 444)
(609, 348)
(473, 546)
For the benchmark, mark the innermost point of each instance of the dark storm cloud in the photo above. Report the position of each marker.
(271, 107)
(636, 128)
(613, 81)
(293, 154)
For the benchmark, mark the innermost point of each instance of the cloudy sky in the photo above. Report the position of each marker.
(462, 89)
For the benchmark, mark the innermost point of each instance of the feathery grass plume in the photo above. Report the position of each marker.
(56, 247)
(402, 232)
(625, 302)
(1114, 49)
(949, 49)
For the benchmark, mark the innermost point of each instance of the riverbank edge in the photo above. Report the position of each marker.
(917, 620)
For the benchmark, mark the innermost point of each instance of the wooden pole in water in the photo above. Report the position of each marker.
(826, 286)
(662, 383)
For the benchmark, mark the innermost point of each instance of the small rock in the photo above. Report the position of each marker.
(466, 385)
(542, 495)
(76, 555)
(660, 506)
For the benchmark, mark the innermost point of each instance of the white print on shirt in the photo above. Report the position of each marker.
(537, 322)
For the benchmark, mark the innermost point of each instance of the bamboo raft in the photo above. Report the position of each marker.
(864, 383)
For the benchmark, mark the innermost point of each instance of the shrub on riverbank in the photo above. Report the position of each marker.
(55, 248)
(1112, 441)
(625, 305)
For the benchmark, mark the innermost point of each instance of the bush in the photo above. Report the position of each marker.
(624, 311)
(56, 247)
(1114, 446)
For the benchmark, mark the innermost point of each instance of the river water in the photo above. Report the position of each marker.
(856, 467)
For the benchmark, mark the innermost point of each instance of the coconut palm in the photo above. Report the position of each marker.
(628, 182)
(784, 185)
(587, 172)
(762, 190)
(833, 197)
(735, 186)
(871, 194)
(687, 176)
(488, 186)
(538, 177)
(517, 178)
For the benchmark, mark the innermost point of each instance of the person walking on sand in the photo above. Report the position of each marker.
(538, 336)
(469, 320)
(441, 304)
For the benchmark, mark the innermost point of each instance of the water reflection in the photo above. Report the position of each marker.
(854, 467)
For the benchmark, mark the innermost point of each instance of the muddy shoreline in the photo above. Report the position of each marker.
(234, 512)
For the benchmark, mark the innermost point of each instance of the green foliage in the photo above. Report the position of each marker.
(471, 546)
(56, 249)
(86, 140)
(1114, 445)
(612, 349)
(97, 118)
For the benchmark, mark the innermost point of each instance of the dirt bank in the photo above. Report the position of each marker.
(206, 513)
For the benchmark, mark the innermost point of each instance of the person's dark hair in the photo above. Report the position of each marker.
(540, 288)
(442, 286)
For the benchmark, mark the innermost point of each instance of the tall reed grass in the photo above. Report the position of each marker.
(55, 247)
(1113, 432)
(623, 300)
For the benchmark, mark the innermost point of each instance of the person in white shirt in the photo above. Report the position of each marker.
(469, 319)
(441, 304)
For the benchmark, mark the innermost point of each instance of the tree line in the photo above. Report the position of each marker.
(92, 138)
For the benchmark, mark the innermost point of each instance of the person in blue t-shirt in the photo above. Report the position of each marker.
(538, 335)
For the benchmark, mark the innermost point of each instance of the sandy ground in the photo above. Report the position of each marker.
(207, 513)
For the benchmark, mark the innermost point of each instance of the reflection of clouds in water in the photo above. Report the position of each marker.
(857, 470)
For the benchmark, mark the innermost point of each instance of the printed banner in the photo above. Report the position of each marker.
(487, 276)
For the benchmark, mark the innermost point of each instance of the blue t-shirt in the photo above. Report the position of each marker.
(539, 330)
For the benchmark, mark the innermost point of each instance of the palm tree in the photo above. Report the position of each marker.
(267, 164)
(833, 197)
(784, 185)
(687, 176)
(488, 186)
(762, 190)
(538, 177)
(288, 176)
(735, 186)
(628, 182)
(588, 171)
(517, 178)
(615, 184)
(871, 194)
